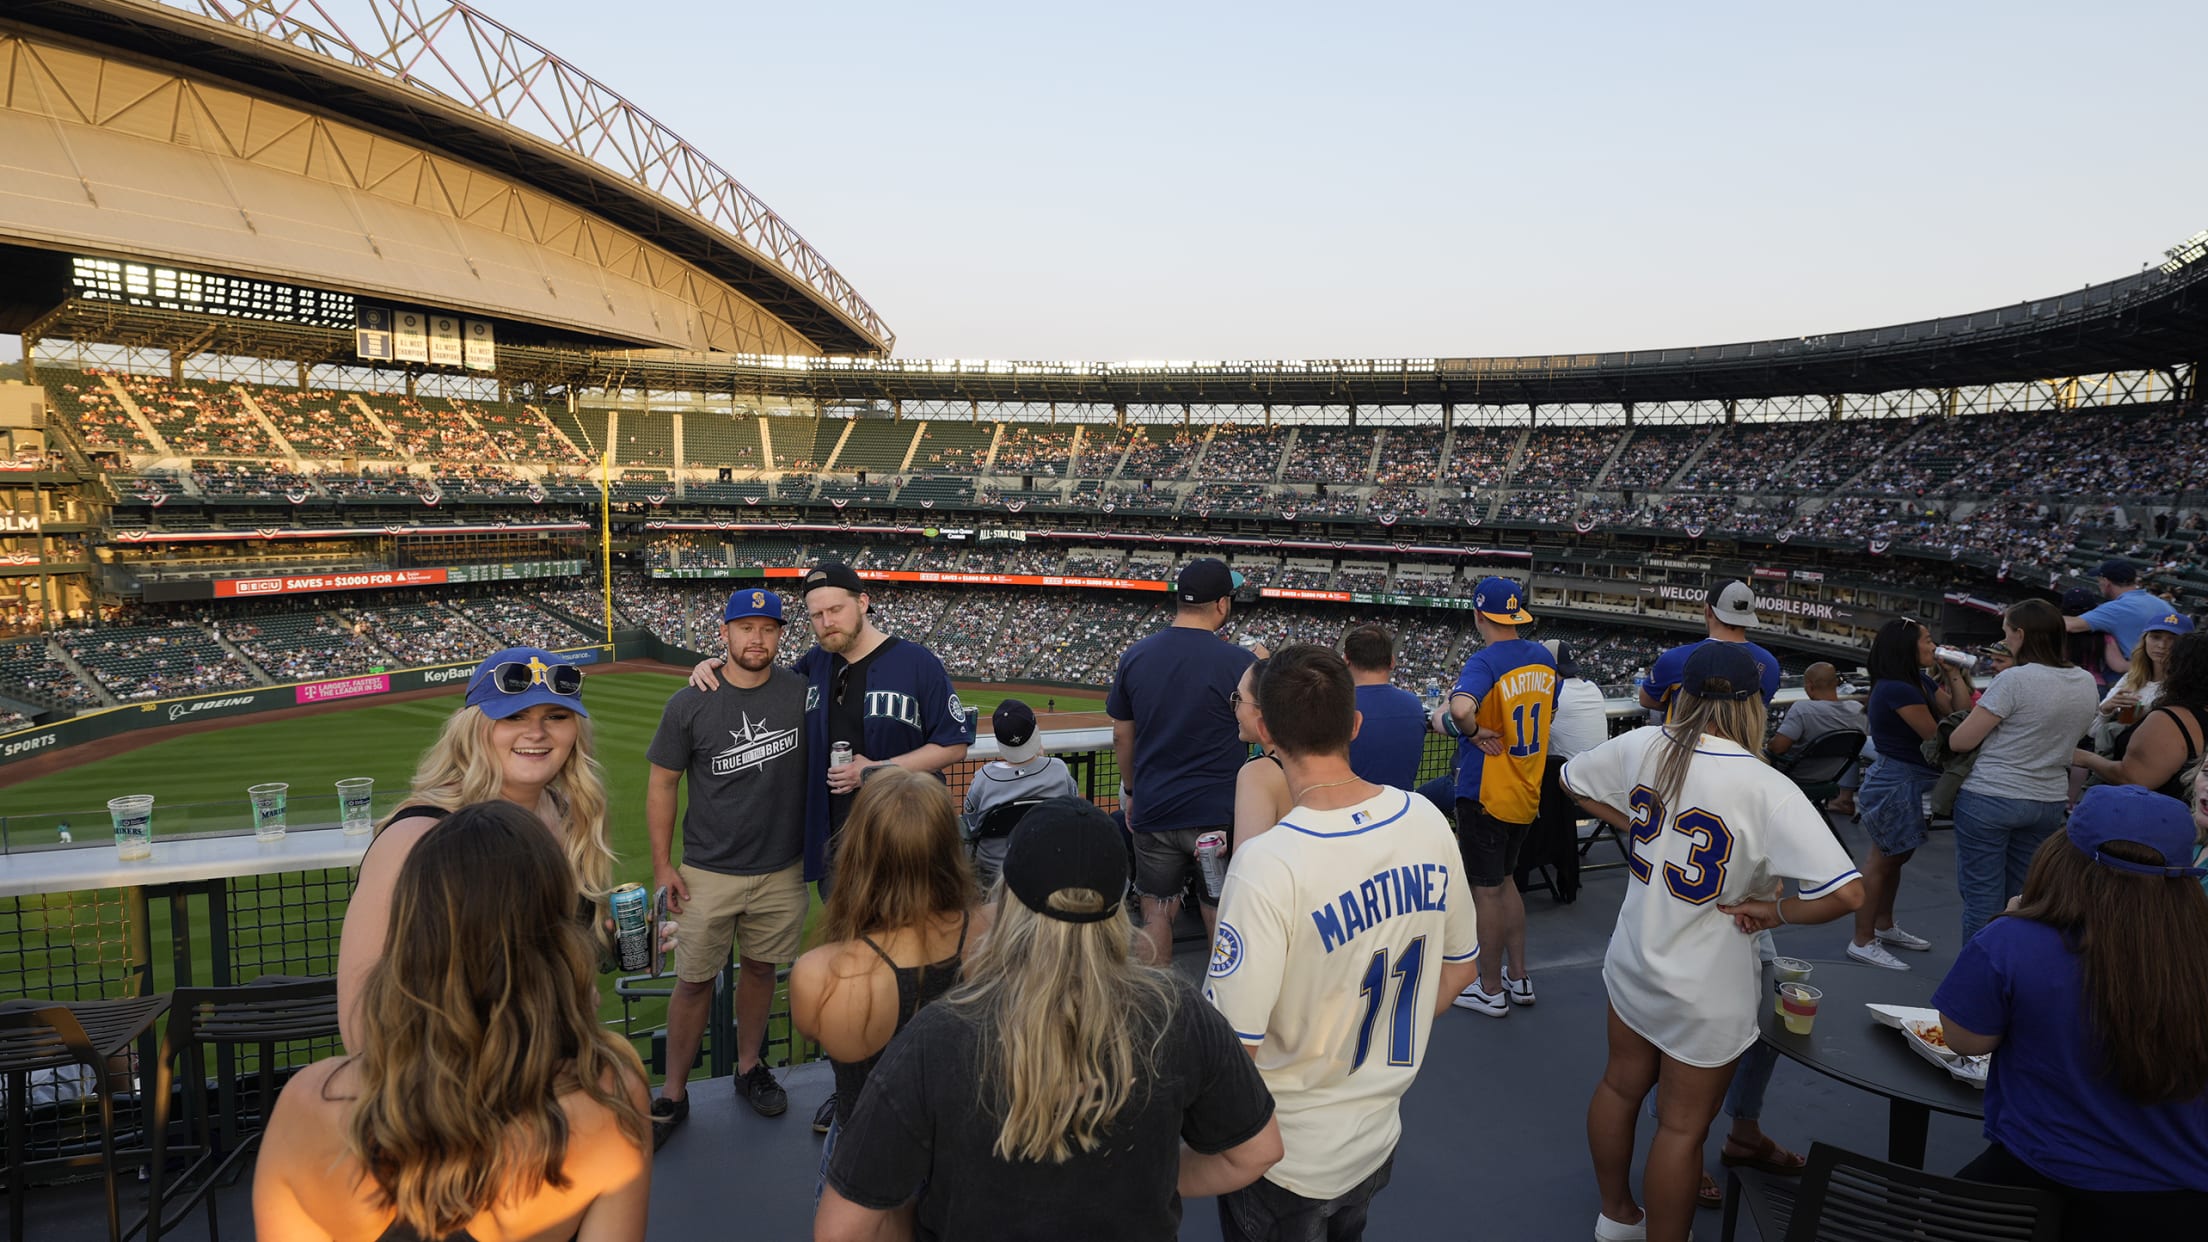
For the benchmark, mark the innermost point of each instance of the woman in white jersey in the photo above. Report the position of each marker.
(1713, 830)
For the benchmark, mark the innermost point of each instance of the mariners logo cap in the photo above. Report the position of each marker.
(755, 602)
(1722, 671)
(1206, 579)
(2139, 816)
(1734, 603)
(833, 574)
(1498, 600)
(1064, 843)
(1018, 740)
(2169, 623)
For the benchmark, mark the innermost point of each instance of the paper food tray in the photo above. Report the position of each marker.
(1972, 1070)
(1895, 1015)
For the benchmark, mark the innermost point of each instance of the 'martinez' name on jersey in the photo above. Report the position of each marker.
(1398, 890)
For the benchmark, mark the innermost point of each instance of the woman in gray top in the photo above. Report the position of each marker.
(2024, 729)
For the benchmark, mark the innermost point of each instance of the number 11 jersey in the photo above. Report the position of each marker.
(1513, 682)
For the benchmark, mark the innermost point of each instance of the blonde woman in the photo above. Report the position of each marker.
(2127, 702)
(484, 1101)
(1062, 1085)
(896, 929)
(522, 736)
(1713, 828)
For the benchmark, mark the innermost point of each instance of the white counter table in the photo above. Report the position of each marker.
(178, 861)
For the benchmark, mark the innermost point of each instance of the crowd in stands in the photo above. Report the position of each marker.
(1330, 455)
(1409, 456)
(248, 479)
(200, 419)
(524, 433)
(152, 662)
(320, 423)
(1564, 455)
(432, 430)
(417, 633)
(1238, 452)
(1157, 453)
(303, 646)
(28, 669)
(1042, 450)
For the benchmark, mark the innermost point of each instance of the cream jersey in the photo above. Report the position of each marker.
(1678, 970)
(1332, 931)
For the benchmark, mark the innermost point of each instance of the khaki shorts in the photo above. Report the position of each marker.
(764, 914)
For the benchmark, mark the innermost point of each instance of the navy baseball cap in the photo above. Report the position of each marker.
(1064, 843)
(1722, 671)
(2117, 569)
(1498, 600)
(2169, 623)
(755, 602)
(2139, 816)
(1566, 666)
(510, 682)
(1017, 739)
(833, 574)
(1206, 579)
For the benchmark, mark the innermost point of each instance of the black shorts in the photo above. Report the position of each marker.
(1165, 863)
(1490, 846)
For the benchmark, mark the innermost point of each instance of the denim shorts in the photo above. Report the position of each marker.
(1890, 805)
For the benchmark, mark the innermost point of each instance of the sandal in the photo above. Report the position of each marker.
(1709, 1194)
(666, 1115)
(1768, 1157)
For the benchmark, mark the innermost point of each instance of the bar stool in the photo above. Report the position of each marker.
(44, 1035)
(262, 1014)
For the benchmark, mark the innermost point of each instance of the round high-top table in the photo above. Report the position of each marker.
(1848, 1044)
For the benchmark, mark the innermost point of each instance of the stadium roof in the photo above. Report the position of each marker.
(454, 80)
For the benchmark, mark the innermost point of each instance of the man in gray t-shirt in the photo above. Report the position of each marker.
(1822, 711)
(741, 882)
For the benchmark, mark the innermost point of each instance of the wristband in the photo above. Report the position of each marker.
(1779, 908)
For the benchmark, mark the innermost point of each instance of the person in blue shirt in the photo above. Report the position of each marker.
(1727, 613)
(2091, 986)
(2125, 615)
(1391, 739)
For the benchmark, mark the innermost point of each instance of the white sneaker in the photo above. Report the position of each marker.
(1520, 991)
(1875, 954)
(1608, 1230)
(1493, 1004)
(1895, 938)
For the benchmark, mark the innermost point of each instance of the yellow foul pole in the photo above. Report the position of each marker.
(605, 539)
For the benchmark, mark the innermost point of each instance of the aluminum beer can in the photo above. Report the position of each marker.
(1211, 850)
(632, 926)
(839, 754)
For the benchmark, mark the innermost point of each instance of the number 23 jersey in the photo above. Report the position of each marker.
(1678, 971)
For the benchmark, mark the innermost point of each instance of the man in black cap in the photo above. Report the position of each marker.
(2125, 615)
(1021, 772)
(1174, 734)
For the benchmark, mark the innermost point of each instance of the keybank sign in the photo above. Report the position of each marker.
(440, 676)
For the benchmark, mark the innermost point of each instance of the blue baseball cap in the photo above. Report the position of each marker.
(754, 602)
(1498, 600)
(2169, 623)
(1718, 670)
(2140, 816)
(510, 682)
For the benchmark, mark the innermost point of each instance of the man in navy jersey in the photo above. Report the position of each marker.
(1728, 613)
(1391, 734)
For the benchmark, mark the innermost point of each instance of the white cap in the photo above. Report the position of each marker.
(1734, 603)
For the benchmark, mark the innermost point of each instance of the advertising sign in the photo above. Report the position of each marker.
(301, 584)
(342, 688)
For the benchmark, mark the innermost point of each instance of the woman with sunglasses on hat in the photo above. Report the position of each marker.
(482, 1099)
(1063, 1090)
(521, 736)
(2092, 988)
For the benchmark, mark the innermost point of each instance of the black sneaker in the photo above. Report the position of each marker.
(759, 1089)
(666, 1115)
(826, 1116)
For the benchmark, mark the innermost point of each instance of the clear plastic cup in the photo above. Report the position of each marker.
(1798, 1006)
(1789, 970)
(133, 815)
(356, 802)
(268, 810)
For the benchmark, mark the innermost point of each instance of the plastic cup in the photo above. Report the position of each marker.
(1798, 1006)
(133, 815)
(1789, 970)
(268, 810)
(356, 799)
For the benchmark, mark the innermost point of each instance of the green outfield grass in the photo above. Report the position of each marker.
(987, 699)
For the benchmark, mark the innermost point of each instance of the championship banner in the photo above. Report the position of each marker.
(480, 346)
(409, 335)
(444, 340)
(372, 334)
(302, 584)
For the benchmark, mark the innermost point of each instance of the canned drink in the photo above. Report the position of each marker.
(1211, 850)
(839, 754)
(1955, 657)
(659, 920)
(632, 926)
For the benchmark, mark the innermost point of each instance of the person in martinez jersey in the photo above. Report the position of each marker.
(1501, 708)
(1343, 931)
(1713, 829)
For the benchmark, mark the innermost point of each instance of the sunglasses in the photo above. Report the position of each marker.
(843, 682)
(1235, 699)
(514, 677)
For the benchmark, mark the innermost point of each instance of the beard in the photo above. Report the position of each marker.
(836, 644)
(754, 662)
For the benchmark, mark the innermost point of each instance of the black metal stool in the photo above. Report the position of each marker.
(263, 1013)
(39, 1035)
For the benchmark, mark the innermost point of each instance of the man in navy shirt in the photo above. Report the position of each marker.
(1391, 736)
(1728, 612)
(1174, 735)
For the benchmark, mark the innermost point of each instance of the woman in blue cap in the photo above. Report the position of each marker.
(522, 736)
(2093, 986)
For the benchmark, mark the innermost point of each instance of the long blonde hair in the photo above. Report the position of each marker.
(1071, 1024)
(2144, 671)
(460, 768)
(1692, 717)
(480, 1015)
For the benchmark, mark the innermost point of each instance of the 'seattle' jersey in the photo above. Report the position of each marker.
(1678, 970)
(1332, 931)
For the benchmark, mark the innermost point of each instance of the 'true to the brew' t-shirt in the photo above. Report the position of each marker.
(744, 751)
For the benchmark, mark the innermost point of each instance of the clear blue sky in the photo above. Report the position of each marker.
(1148, 180)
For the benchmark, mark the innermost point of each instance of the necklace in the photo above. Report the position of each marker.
(1347, 780)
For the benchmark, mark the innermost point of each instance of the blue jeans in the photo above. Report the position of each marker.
(1994, 842)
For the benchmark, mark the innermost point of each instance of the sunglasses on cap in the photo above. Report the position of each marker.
(515, 677)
